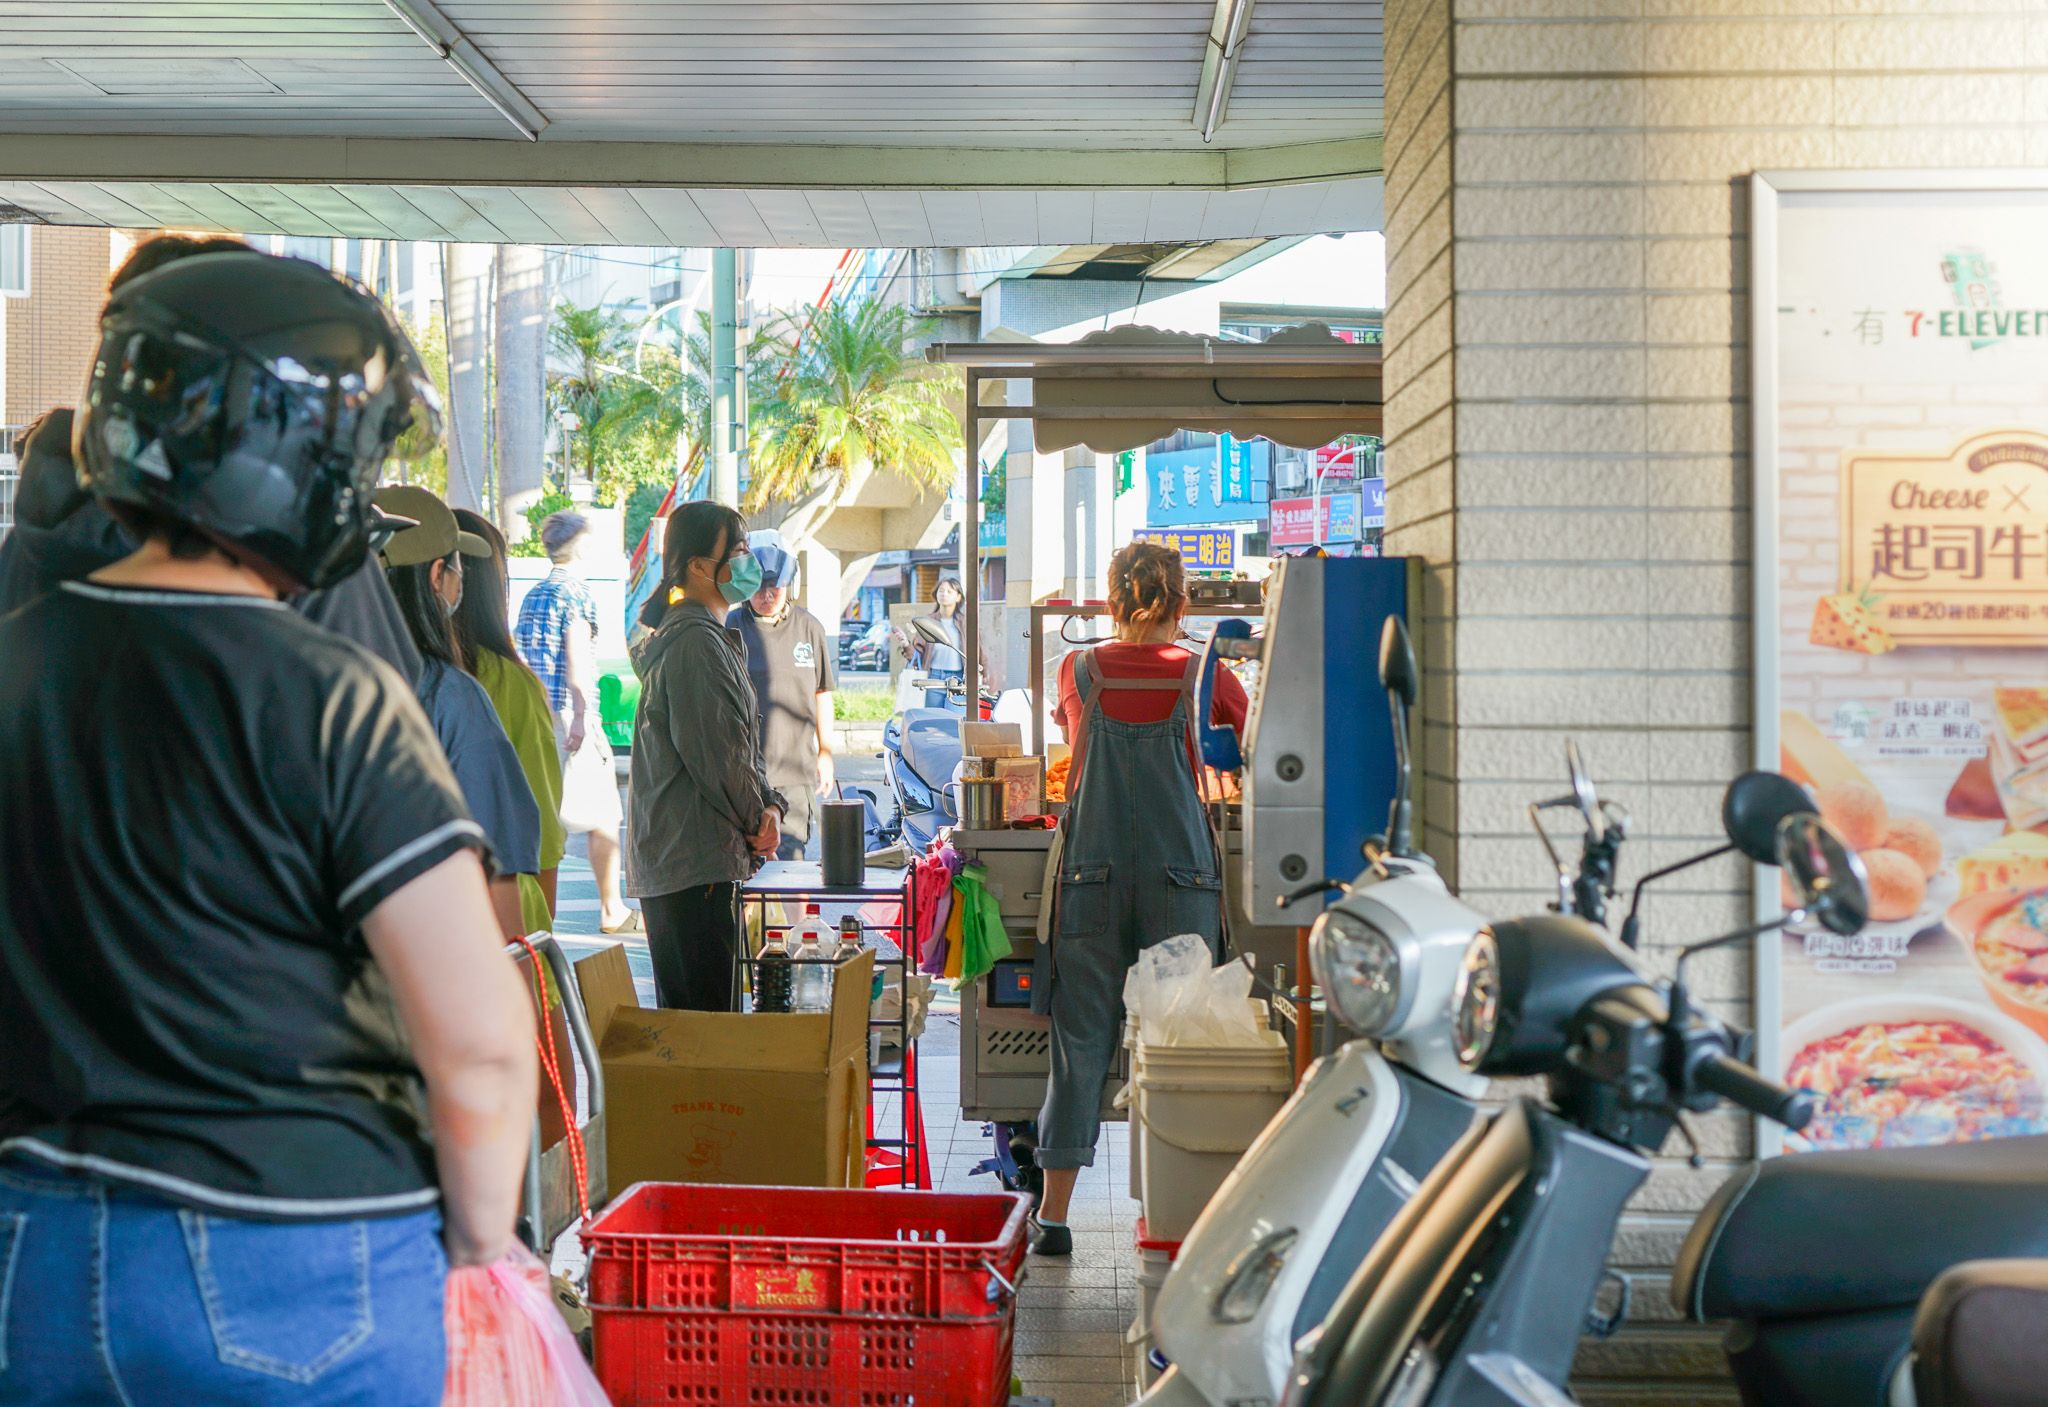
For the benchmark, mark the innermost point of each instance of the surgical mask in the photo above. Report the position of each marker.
(745, 581)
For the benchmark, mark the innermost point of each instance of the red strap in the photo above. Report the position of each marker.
(578, 1158)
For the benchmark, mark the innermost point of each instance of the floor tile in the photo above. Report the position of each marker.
(1035, 1371)
(1038, 1318)
(1071, 1296)
(1052, 1344)
(1111, 1394)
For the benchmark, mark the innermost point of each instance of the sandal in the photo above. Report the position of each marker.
(632, 924)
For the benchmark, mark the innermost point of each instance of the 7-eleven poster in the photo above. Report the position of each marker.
(1902, 585)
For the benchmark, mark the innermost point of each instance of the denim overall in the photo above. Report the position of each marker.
(1138, 866)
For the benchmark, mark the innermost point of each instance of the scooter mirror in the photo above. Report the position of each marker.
(1824, 873)
(1398, 674)
(1582, 787)
(930, 631)
(1755, 804)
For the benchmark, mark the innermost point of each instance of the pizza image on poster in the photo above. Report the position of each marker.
(1911, 650)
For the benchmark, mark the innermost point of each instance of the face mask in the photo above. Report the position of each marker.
(745, 581)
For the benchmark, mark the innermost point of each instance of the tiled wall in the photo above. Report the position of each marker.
(52, 333)
(1567, 334)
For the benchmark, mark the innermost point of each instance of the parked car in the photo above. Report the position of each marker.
(867, 649)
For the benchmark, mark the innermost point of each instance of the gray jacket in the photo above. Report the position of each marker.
(699, 785)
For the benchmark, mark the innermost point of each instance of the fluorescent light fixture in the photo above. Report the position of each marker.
(1227, 33)
(441, 35)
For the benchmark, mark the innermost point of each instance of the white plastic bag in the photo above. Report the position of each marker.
(1181, 998)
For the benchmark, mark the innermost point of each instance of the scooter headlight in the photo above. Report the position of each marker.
(1475, 1001)
(1250, 1277)
(1359, 969)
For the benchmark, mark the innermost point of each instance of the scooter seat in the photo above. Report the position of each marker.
(1980, 1338)
(1826, 1233)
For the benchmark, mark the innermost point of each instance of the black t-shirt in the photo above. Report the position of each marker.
(201, 797)
(790, 663)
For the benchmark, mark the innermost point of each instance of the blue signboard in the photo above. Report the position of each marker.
(1373, 509)
(1201, 549)
(1218, 483)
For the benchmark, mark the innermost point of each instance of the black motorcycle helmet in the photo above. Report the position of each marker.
(255, 398)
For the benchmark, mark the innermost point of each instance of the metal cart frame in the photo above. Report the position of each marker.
(899, 1076)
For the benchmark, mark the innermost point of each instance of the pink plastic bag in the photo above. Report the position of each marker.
(507, 1345)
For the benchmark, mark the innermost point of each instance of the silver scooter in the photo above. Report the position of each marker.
(1305, 1204)
(1477, 1294)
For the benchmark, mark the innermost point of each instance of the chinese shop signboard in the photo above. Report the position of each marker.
(1298, 522)
(1901, 450)
(1201, 549)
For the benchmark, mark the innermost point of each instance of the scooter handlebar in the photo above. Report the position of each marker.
(1739, 1084)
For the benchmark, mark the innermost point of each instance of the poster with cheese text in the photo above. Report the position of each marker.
(1903, 647)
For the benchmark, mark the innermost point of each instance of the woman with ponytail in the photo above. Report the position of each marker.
(1138, 862)
(703, 816)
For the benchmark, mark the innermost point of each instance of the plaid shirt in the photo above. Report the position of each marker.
(545, 617)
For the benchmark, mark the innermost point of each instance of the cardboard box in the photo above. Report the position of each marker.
(709, 1097)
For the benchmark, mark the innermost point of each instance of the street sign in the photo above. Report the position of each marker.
(1201, 549)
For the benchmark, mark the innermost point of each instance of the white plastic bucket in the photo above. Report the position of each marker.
(1194, 1111)
(1151, 1264)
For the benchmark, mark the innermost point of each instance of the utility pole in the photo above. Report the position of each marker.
(725, 367)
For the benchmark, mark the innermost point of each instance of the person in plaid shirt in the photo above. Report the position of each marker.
(556, 634)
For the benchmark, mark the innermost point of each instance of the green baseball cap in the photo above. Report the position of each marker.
(436, 533)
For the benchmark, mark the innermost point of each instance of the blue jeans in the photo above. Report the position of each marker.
(111, 1296)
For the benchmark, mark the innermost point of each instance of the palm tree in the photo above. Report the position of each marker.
(591, 340)
(669, 394)
(848, 394)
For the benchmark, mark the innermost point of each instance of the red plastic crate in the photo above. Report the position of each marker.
(797, 1295)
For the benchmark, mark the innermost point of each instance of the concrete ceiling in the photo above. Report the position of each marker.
(748, 122)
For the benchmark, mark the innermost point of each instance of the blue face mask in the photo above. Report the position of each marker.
(745, 581)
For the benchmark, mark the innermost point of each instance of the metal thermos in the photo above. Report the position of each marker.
(845, 850)
(981, 803)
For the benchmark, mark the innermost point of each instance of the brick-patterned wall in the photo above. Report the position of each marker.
(1567, 364)
(52, 333)
(1418, 378)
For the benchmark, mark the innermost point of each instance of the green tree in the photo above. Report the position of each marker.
(551, 500)
(594, 342)
(845, 392)
(431, 342)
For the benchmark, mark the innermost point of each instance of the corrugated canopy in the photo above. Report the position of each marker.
(692, 122)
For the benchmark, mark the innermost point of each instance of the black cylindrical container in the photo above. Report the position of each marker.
(845, 849)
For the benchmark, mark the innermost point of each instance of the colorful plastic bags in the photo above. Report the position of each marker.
(507, 1344)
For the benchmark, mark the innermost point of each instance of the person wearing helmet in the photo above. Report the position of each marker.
(265, 1071)
(62, 533)
(790, 660)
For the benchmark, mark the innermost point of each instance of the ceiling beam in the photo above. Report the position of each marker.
(666, 165)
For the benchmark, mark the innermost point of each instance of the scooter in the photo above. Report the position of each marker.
(921, 748)
(1278, 1241)
(1479, 1290)
(1824, 1310)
